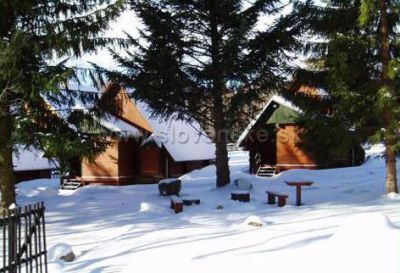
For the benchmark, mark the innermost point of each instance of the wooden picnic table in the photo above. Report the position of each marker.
(298, 185)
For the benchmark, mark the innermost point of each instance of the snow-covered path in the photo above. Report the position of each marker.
(131, 229)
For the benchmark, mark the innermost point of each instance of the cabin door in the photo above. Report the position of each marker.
(150, 160)
(268, 146)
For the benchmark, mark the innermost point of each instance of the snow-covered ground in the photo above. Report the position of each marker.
(347, 224)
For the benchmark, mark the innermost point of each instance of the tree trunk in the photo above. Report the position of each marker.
(390, 135)
(391, 171)
(7, 178)
(221, 134)
(221, 151)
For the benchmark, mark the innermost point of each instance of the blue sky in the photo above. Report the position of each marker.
(127, 22)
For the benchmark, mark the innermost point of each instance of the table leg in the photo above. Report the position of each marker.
(298, 195)
(271, 199)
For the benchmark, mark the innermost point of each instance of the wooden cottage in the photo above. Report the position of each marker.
(274, 141)
(145, 148)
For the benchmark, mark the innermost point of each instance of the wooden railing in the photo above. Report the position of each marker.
(24, 239)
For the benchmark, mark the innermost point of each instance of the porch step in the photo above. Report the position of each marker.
(71, 184)
(266, 171)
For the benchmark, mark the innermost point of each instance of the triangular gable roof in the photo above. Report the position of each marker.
(282, 115)
(129, 110)
(184, 141)
(129, 121)
(119, 126)
(275, 99)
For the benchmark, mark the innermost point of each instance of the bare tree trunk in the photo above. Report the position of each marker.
(7, 178)
(221, 151)
(390, 135)
(391, 171)
(221, 134)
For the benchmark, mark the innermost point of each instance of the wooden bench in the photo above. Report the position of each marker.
(176, 204)
(281, 198)
(188, 201)
(242, 196)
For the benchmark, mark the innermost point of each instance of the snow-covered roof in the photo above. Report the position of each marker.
(277, 99)
(184, 141)
(322, 92)
(117, 125)
(152, 138)
(73, 99)
(29, 159)
(72, 103)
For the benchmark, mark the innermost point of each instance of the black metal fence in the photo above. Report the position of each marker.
(24, 240)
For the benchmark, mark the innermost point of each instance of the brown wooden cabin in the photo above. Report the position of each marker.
(158, 163)
(137, 153)
(274, 139)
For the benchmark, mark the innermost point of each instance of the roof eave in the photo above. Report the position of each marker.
(277, 99)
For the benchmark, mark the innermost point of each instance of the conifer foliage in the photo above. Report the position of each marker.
(208, 60)
(34, 33)
(356, 61)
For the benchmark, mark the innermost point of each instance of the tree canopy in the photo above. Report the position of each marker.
(33, 34)
(210, 60)
(355, 61)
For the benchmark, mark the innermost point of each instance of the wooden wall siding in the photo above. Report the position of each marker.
(150, 157)
(32, 174)
(104, 168)
(298, 87)
(289, 154)
(180, 168)
(130, 112)
(129, 159)
(195, 165)
(308, 90)
(176, 168)
(115, 95)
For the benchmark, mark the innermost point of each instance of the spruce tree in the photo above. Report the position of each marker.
(33, 34)
(356, 61)
(207, 60)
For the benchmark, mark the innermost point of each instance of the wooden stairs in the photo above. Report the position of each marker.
(71, 184)
(266, 171)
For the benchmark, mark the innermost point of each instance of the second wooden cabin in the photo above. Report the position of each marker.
(275, 144)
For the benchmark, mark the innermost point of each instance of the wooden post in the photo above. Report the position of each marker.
(271, 199)
(44, 236)
(30, 253)
(281, 201)
(178, 207)
(4, 238)
(166, 167)
(19, 226)
(12, 240)
(298, 195)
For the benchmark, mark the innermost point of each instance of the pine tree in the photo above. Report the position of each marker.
(387, 14)
(33, 34)
(356, 61)
(206, 60)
